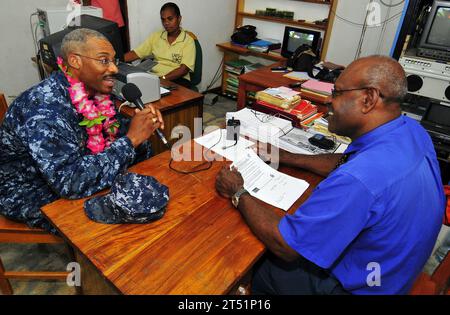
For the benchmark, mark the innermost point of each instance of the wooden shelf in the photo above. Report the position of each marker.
(284, 21)
(316, 1)
(244, 51)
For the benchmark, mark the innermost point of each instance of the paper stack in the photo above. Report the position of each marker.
(281, 97)
(318, 87)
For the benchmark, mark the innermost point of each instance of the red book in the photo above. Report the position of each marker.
(304, 109)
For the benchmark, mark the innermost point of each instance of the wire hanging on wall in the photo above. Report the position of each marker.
(378, 25)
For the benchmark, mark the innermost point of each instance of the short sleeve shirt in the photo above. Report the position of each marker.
(168, 56)
(373, 222)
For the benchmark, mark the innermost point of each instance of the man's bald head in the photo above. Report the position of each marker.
(76, 41)
(381, 72)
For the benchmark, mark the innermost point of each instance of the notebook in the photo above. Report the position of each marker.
(318, 86)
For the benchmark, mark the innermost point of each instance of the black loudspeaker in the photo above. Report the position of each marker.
(427, 78)
(428, 86)
(415, 83)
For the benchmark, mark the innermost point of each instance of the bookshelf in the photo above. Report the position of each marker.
(232, 52)
(329, 8)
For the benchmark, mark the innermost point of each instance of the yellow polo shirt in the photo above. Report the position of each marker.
(168, 56)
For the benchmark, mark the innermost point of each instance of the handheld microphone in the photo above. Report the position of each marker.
(133, 95)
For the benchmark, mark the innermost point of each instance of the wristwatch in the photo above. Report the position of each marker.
(237, 195)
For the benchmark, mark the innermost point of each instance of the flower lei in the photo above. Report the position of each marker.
(98, 113)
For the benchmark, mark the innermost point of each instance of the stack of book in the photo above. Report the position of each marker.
(306, 112)
(233, 68)
(263, 45)
(282, 97)
(288, 103)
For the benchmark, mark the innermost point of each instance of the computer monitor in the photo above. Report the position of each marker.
(295, 37)
(435, 39)
(50, 46)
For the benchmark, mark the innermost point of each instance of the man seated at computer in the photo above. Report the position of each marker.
(63, 138)
(371, 224)
(172, 48)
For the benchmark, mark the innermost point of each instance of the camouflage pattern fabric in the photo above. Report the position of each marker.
(43, 154)
(133, 198)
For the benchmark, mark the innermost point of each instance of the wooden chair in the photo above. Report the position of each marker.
(3, 107)
(14, 232)
(439, 281)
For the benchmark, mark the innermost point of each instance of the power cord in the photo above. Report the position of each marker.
(267, 118)
(200, 170)
(235, 142)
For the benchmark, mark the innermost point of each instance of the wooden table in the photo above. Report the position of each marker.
(200, 246)
(264, 78)
(180, 107)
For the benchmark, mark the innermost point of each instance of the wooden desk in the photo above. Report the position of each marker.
(180, 107)
(200, 246)
(263, 78)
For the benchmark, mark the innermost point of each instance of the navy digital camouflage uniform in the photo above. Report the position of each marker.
(43, 154)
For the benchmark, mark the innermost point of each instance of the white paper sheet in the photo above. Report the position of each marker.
(260, 126)
(267, 184)
(218, 143)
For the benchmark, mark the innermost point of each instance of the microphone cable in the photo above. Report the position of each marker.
(200, 170)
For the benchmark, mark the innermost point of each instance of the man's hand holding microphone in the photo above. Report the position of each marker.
(147, 118)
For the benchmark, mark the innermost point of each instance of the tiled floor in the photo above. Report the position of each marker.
(54, 257)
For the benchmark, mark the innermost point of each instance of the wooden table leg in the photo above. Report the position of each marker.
(242, 95)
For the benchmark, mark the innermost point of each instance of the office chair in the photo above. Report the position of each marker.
(196, 75)
(14, 232)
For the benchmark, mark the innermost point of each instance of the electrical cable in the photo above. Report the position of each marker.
(383, 30)
(230, 146)
(200, 170)
(33, 33)
(363, 33)
(214, 79)
(362, 24)
(267, 118)
(391, 5)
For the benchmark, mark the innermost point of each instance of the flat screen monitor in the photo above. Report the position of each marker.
(295, 37)
(436, 34)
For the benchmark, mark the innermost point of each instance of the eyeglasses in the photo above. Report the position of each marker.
(335, 93)
(104, 61)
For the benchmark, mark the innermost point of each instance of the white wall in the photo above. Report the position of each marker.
(212, 21)
(17, 71)
(344, 36)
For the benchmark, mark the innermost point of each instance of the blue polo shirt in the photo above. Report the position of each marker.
(373, 221)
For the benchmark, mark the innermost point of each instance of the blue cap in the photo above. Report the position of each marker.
(134, 198)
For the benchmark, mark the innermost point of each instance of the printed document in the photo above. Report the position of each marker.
(269, 185)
